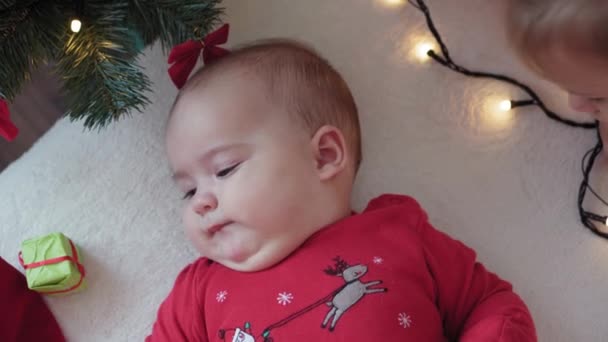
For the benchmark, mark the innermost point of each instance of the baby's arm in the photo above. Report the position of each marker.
(180, 316)
(475, 304)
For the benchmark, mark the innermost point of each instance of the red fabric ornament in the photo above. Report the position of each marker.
(8, 130)
(184, 56)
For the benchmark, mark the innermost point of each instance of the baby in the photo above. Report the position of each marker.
(566, 42)
(265, 145)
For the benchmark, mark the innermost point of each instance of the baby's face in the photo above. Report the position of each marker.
(247, 174)
(583, 75)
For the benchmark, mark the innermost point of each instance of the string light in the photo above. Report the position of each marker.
(494, 117)
(505, 105)
(75, 25)
(422, 51)
(393, 3)
(587, 218)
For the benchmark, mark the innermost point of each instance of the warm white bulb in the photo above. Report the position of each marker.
(496, 114)
(75, 25)
(422, 51)
(392, 3)
(505, 105)
(606, 223)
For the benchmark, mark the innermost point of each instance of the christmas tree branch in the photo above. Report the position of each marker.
(174, 21)
(98, 65)
(101, 78)
(31, 38)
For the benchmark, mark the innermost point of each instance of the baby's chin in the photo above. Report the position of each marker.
(258, 260)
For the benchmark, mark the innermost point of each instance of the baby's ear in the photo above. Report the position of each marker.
(330, 151)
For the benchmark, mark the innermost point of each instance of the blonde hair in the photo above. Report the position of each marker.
(298, 78)
(534, 26)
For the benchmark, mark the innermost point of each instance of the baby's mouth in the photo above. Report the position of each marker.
(216, 228)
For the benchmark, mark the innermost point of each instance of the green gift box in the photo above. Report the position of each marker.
(53, 264)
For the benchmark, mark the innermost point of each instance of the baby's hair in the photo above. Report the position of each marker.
(297, 78)
(535, 25)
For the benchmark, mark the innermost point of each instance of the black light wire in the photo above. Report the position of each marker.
(587, 218)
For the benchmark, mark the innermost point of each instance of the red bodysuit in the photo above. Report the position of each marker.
(382, 275)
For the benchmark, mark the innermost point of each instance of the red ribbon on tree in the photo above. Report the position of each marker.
(184, 56)
(8, 130)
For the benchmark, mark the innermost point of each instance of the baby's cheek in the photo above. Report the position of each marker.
(190, 224)
(243, 200)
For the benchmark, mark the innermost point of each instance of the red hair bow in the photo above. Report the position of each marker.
(184, 56)
(8, 130)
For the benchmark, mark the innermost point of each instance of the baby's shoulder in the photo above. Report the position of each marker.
(394, 207)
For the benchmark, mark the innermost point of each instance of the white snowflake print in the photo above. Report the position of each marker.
(221, 296)
(378, 260)
(404, 320)
(284, 298)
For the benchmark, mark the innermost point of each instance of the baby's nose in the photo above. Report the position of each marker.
(581, 104)
(204, 203)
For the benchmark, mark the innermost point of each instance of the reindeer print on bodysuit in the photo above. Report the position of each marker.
(351, 293)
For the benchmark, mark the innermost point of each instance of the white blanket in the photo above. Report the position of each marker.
(506, 187)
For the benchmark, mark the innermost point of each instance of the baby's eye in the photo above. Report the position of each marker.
(227, 171)
(189, 194)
